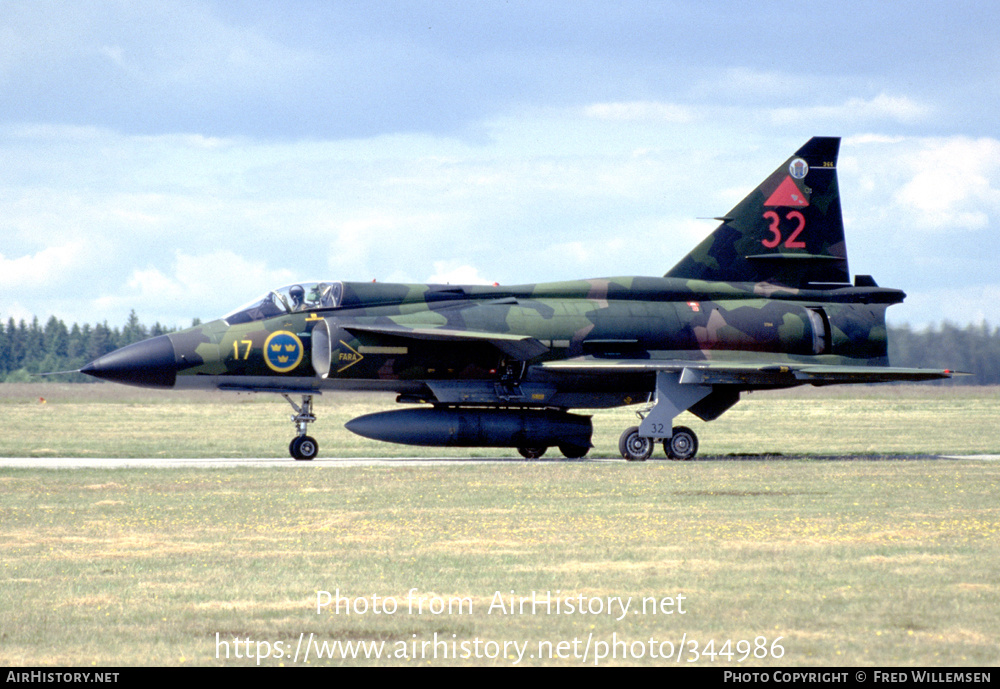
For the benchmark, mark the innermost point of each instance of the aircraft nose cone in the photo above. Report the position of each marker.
(149, 364)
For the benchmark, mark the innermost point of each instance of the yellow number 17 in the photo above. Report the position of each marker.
(246, 352)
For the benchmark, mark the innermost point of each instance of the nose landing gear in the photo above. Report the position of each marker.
(302, 447)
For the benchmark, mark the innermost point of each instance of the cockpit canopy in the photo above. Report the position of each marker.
(301, 296)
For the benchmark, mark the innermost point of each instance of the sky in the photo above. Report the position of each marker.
(180, 159)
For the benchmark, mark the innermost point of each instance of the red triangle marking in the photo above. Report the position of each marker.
(787, 194)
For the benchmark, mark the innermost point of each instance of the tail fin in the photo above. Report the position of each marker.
(787, 231)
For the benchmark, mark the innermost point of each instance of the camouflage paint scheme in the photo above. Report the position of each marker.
(763, 302)
(665, 319)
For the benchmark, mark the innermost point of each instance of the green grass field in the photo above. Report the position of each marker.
(105, 420)
(845, 550)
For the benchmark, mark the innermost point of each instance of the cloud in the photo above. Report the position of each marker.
(183, 226)
(955, 184)
(454, 273)
(883, 107)
(144, 66)
(746, 82)
(640, 111)
(204, 285)
(46, 266)
(961, 306)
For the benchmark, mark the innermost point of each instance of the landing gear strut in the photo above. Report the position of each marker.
(302, 446)
(672, 397)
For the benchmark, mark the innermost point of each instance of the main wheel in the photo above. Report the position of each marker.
(634, 447)
(682, 445)
(531, 452)
(303, 447)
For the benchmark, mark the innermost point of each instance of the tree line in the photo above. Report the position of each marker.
(27, 349)
(973, 349)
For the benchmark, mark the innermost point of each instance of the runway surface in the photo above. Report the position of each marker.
(210, 463)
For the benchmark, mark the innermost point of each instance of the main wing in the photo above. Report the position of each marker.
(747, 373)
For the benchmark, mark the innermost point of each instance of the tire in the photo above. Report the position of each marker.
(682, 445)
(531, 452)
(633, 447)
(304, 447)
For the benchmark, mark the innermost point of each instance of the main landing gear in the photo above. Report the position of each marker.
(302, 447)
(681, 445)
(679, 442)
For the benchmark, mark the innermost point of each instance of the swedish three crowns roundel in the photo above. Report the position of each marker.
(282, 351)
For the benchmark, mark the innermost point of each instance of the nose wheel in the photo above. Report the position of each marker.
(302, 447)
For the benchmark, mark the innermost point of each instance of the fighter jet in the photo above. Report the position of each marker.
(764, 302)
